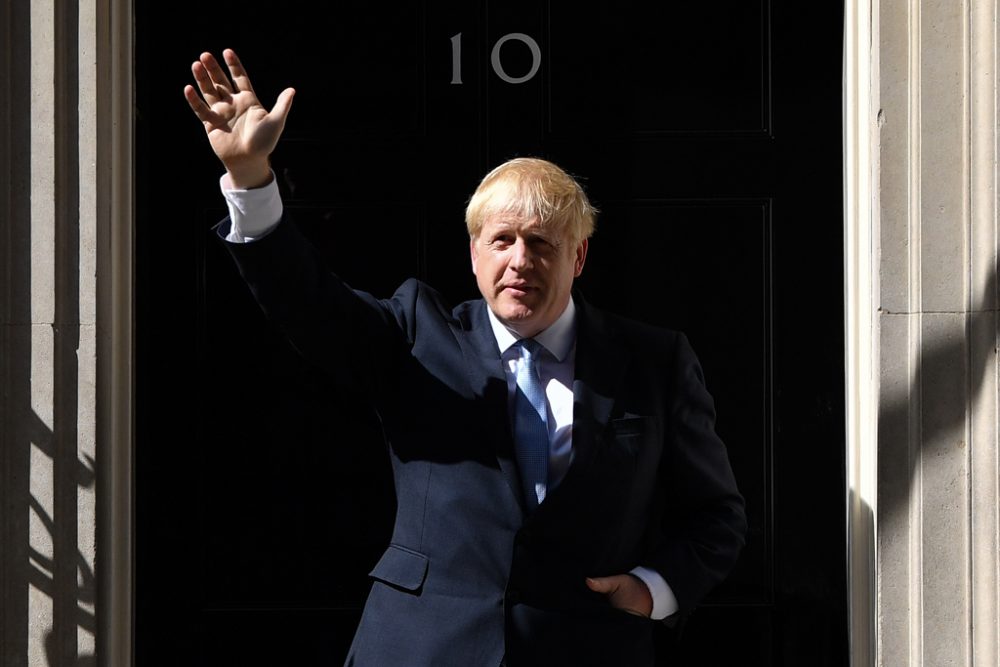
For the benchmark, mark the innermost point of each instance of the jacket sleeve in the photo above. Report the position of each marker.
(358, 339)
(704, 522)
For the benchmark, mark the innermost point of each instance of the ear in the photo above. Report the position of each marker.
(581, 258)
(473, 252)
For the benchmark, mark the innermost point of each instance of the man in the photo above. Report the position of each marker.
(559, 482)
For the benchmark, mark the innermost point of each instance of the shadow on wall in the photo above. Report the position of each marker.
(41, 553)
(922, 441)
(55, 577)
(48, 584)
(913, 429)
(924, 422)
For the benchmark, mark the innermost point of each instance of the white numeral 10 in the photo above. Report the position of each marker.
(536, 57)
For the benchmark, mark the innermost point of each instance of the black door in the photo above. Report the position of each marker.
(709, 136)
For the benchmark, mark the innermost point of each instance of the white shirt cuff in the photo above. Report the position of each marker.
(664, 602)
(253, 212)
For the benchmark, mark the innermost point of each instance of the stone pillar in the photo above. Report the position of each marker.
(65, 332)
(927, 465)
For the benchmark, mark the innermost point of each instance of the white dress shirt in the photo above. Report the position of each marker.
(555, 366)
(256, 212)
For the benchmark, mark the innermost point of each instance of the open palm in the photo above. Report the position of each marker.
(241, 131)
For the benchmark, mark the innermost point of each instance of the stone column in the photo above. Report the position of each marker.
(65, 332)
(927, 465)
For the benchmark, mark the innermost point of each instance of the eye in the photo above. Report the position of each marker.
(502, 240)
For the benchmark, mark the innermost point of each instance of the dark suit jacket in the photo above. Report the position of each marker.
(469, 578)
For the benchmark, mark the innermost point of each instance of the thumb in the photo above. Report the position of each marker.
(602, 584)
(283, 105)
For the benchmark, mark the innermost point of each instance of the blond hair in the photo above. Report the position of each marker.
(526, 188)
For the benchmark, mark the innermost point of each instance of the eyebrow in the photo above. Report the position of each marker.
(503, 226)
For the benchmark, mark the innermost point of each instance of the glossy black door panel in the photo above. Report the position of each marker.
(708, 134)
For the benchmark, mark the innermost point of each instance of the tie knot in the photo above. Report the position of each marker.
(531, 347)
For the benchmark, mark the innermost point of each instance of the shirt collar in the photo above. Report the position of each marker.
(558, 338)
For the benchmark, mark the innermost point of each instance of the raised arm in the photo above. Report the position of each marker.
(356, 338)
(240, 130)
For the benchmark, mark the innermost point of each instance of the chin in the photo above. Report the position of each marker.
(515, 315)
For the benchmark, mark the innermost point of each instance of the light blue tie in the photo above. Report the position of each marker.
(531, 431)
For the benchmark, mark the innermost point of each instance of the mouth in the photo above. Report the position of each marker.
(517, 289)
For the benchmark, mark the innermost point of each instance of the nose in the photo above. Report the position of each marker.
(520, 257)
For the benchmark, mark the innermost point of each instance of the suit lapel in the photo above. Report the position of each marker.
(601, 362)
(489, 384)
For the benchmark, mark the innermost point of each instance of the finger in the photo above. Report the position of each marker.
(283, 105)
(205, 84)
(219, 77)
(197, 104)
(237, 71)
(202, 110)
(604, 585)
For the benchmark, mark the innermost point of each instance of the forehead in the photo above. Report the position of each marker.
(511, 221)
(532, 225)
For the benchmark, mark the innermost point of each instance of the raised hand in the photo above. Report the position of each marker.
(241, 131)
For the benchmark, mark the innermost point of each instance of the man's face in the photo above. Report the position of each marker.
(525, 272)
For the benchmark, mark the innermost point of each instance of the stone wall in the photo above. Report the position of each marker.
(922, 318)
(65, 341)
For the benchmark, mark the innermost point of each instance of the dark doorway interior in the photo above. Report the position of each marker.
(709, 136)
